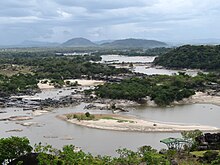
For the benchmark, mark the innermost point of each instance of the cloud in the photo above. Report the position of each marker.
(58, 20)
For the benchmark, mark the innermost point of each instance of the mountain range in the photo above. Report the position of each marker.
(83, 42)
(135, 43)
(124, 43)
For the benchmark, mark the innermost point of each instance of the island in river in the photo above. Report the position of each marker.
(128, 123)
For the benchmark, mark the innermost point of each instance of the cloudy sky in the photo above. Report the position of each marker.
(59, 20)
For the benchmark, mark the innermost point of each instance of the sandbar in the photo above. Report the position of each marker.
(132, 124)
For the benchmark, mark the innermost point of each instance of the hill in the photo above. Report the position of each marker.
(189, 56)
(135, 43)
(78, 42)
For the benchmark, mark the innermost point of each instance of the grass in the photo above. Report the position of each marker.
(118, 120)
(81, 116)
(201, 153)
(10, 70)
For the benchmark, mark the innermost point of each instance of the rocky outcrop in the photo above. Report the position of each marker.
(209, 141)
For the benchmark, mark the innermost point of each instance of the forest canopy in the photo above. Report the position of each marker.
(190, 56)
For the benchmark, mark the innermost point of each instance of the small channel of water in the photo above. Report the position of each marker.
(58, 133)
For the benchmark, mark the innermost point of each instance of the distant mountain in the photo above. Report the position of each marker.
(78, 42)
(135, 43)
(29, 43)
(103, 42)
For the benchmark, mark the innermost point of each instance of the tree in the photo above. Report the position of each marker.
(13, 147)
(191, 135)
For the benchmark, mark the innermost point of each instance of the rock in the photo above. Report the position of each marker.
(174, 162)
(89, 106)
(209, 141)
(50, 137)
(19, 118)
(30, 124)
(15, 130)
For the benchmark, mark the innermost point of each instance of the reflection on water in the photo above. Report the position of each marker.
(103, 141)
(90, 140)
(58, 133)
(203, 114)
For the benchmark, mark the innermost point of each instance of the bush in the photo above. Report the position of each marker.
(209, 156)
(87, 114)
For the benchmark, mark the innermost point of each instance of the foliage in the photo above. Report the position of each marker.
(163, 89)
(86, 116)
(191, 135)
(55, 68)
(216, 161)
(210, 156)
(13, 147)
(189, 56)
(151, 156)
(17, 83)
(134, 52)
(60, 68)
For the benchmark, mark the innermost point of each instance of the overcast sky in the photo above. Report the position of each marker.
(59, 20)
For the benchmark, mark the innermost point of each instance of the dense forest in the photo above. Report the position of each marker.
(64, 67)
(195, 57)
(163, 89)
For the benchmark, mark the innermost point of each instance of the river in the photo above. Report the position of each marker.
(56, 132)
(144, 69)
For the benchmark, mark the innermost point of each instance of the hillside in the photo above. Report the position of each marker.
(79, 42)
(188, 56)
(135, 43)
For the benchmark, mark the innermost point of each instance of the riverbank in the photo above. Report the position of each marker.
(201, 98)
(131, 124)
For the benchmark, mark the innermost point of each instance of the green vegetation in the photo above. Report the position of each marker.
(17, 150)
(188, 56)
(17, 83)
(10, 70)
(134, 52)
(86, 116)
(22, 69)
(162, 89)
(13, 147)
(118, 120)
(191, 135)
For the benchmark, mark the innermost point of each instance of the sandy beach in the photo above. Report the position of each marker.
(46, 85)
(84, 82)
(81, 82)
(201, 98)
(124, 123)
